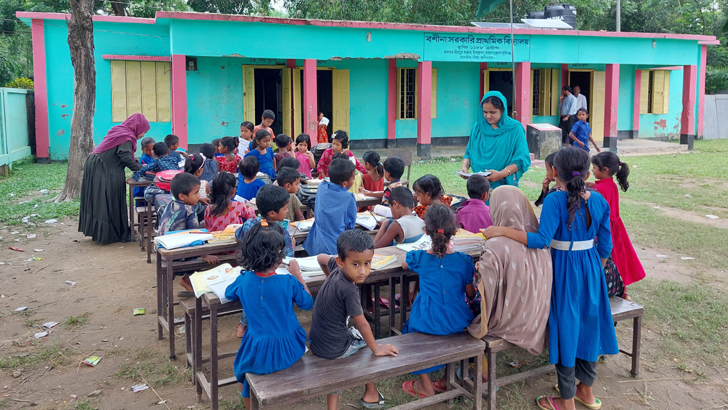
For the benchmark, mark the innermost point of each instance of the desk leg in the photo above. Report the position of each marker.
(478, 385)
(377, 311)
(404, 299)
(188, 340)
(490, 356)
(253, 401)
(450, 380)
(131, 212)
(197, 348)
(392, 305)
(147, 230)
(170, 307)
(636, 345)
(160, 297)
(213, 357)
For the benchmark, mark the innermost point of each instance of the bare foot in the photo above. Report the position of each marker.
(185, 283)
(241, 330)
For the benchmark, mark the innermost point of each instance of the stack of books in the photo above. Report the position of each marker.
(464, 241)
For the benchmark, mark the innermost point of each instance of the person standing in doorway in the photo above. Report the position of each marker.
(580, 99)
(568, 113)
(323, 136)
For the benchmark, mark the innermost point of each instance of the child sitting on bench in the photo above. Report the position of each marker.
(337, 301)
(275, 339)
(404, 227)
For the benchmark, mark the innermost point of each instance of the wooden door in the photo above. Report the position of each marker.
(597, 104)
(340, 86)
(297, 113)
(287, 106)
(249, 94)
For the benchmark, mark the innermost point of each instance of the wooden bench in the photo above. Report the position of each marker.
(313, 376)
(621, 310)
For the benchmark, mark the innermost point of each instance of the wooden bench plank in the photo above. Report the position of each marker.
(314, 376)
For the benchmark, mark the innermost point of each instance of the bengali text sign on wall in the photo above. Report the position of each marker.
(475, 47)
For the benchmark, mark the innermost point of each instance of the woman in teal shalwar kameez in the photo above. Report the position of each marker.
(497, 143)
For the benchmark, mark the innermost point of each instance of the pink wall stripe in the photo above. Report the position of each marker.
(61, 16)
(611, 101)
(690, 79)
(135, 58)
(564, 77)
(701, 89)
(523, 92)
(424, 106)
(179, 99)
(392, 101)
(637, 99)
(42, 141)
(310, 98)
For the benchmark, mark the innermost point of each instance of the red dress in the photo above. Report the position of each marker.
(323, 137)
(228, 166)
(328, 156)
(369, 184)
(239, 212)
(623, 254)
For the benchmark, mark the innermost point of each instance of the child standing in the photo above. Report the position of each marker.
(147, 151)
(403, 227)
(248, 183)
(289, 179)
(446, 277)
(580, 323)
(228, 161)
(223, 211)
(337, 301)
(335, 209)
(246, 136)
(545, 185)
(285, 147)
(393, 171)
(275, 339)
(216, 144)
(581, 132)
(323, 136)
(164, 162)
(428, 191)
(339, 143)
(263, 152)
(304, 155)
(195, 165)
(266, 120)
(605, 167)
(474, 215)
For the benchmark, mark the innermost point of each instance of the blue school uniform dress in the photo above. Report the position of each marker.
(335, 212)
(581, 131)
(265, 161)
(274, 339)
(440, 307)
(248, 190)
(580, 322)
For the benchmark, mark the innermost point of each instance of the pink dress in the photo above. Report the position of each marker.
(623, 254)
(328, 156)
(305, 164)
(239, 212)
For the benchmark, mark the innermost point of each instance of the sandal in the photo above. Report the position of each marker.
(409, 388)
(375, 405)
(594, 406)
(438, 386)
(185, 294)
(551, 403)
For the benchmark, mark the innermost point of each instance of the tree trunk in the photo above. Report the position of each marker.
(81, 44)
(118, 8)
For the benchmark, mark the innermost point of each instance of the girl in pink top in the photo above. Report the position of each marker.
(223, 211)
(304, 155)
(339, 143)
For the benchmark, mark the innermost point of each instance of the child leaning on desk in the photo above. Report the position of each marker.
(404, 227)
(272, 202)
(275, 339)
(337, 301)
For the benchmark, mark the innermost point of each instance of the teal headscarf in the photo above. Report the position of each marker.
(496, 148)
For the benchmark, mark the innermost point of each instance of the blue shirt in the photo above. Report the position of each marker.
(581, 131)
(210, 170)
(334, 213)
(265, 161)
(240, 234)
(569, 105)
(165, 163)
(248, 191)
(146, 159)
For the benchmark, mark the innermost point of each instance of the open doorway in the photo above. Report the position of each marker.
(502, 81)
(584, 80)
(269, 96)
(324, 90)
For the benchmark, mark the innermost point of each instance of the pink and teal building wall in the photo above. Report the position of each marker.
(200, 75)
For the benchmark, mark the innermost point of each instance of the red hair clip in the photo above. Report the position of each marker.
(441, 231)
(264, 223)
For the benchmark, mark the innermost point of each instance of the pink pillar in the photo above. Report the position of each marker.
(483, 67)
(636, 105)
(687, 121)
(392, 103)
(42, 141)
(611, 102)
(310, 98)
(701, 89)
(523, 92)
(424, 110)
(179, 99)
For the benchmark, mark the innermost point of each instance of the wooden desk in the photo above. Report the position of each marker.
(368, 201)
(134, 184)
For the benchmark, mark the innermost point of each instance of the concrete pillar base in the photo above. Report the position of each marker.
(42, 160)
(687, 139)
(423, 151)
(610, 143)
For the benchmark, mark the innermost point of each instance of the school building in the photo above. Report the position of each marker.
(200, 75)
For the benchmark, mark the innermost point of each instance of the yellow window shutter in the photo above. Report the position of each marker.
(118, 91)
(530, 101)
(544, 93)
(297, 113)
(133, 87)
(599, 93)
(149, 90)
(666, 93)
(658, 94)
(286, 96)
(433, 99)
(164, 92)
(644, 91)
(340, 85)
(555, 91)
(249, 94)
(486, 81)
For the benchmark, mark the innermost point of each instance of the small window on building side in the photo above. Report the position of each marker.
(407, 93)
(655, 92)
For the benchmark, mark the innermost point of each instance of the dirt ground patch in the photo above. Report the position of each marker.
(95, 317)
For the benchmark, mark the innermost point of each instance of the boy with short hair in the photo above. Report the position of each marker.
(266, 120)
(248, 183)
(164, 162)
(581, 132)
(209, 169)
(285, 149)
(335, 209)
(289, 179)
(337, 301)
(272, 202)
(216, 144)
(474, 215)
(404, 227)
(172, 142)
(393, 171)
(147, 151)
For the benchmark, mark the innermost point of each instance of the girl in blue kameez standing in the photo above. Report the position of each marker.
(580, 322)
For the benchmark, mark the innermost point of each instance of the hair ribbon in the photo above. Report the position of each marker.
(575, 173)
(442, 231)
(263, 223)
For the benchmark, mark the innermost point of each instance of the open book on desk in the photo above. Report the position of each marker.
(215, 280)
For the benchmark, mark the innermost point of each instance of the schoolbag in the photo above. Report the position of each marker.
(318, 151)
(307, 194)
(163, 179)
